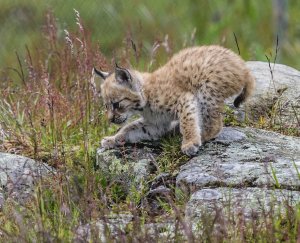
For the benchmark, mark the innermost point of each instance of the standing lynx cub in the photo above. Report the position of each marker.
(188, 90)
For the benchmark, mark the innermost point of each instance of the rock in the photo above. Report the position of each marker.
(128, 165)
(241, 169)
(112, 227)
(277, 94)
(168, 231)
(241, 204)
(281, 79)
(240, 161)
(241, 199)
(255, 158)
(18, 175)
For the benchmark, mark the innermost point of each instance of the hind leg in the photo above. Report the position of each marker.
(212, 122)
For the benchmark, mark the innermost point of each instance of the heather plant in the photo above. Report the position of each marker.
(55, 107)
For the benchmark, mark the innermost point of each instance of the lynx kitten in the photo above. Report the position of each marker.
(188, 90)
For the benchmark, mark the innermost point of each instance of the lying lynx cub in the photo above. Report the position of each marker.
(189, 90)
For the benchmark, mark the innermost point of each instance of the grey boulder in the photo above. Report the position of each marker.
(18, 175)
(242, 157)
(277, 94)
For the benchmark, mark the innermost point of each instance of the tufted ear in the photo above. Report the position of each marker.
(123, 76)
(101, 76)
(99, 73)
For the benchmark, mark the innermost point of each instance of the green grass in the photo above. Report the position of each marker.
(113, 23)
(171, 157)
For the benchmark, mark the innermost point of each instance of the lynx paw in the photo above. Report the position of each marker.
(111, 142)
(108, 143)
(190, 148)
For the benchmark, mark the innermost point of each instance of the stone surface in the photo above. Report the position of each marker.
(240, 161)
(240, 199)
(282, 79)
(112, 227)
(242, 204)
(277, 94)
(130, 165)
(18, 175)
(244, 157)
(245, 170)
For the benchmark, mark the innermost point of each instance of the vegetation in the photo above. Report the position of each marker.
(112, 23)
(51, 110)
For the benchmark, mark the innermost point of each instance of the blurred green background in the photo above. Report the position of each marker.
(112, 23)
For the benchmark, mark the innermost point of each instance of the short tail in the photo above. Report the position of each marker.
(246, 92)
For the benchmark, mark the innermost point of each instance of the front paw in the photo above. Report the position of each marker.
(190, 148)
(108, 143)
(112, 142)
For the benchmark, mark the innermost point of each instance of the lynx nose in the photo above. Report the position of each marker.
(118, 119)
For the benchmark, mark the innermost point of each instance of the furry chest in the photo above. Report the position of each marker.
(158, 116)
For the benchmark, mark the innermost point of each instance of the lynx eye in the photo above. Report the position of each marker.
(116, 105)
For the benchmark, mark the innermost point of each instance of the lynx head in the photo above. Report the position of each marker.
(121, 93)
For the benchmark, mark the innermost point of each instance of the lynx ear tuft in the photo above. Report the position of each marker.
(122, 75)
(99, 73)
(101, 76)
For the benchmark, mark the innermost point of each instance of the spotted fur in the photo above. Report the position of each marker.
(189, 90)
